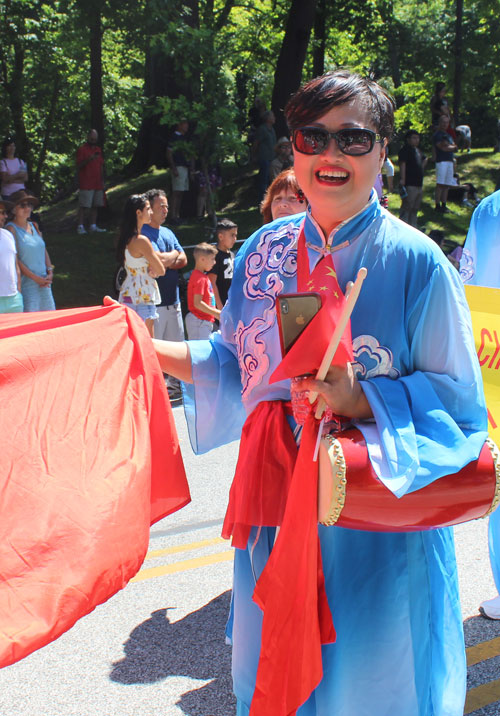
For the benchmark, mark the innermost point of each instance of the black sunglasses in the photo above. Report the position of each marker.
(353, 141)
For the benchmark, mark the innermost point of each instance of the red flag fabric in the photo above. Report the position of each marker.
(306, 354)
(90, 458)
(291, 593)
(266, 461)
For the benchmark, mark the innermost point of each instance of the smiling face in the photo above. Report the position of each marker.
(338, 185)
(286, 203)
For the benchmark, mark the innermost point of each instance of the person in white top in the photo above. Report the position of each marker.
(13, 171)
(11, 299)
(139, 291)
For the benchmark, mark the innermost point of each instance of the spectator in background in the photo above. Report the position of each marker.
(222, 273)
(11, 299)
(215, 181)
(284, 197)
(169, 326)
(265, 141)
(36, 267)
(464, 137)
(135, 251)
(444, 147)
(439, 104)
(13, 171)
(388, 171)
(90, 165)
(180, 166)
(201, 300)
(412, 163)
(283, 159)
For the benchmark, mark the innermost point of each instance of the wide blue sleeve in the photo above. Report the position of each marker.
(212, 402)
(433, 421)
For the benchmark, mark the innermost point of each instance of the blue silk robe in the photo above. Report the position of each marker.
(480, 266)
(394, 597)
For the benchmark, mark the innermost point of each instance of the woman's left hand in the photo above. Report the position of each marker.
(341, 392)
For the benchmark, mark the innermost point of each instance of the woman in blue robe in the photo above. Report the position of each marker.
(414, 390)
(479, 266)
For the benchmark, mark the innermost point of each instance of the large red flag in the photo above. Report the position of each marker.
(90, 458)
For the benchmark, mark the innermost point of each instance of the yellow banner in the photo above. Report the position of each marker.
(484, 304)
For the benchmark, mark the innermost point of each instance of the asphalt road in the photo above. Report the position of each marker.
(157, 648)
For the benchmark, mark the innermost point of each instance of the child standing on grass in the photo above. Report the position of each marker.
(201, 299)
(222, 273)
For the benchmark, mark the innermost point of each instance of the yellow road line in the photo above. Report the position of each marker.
(185, 547)
(184, 566)
(483, 651)
(482, 696)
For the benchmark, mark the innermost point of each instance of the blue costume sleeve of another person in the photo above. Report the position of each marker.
(479, 264)
(212, 403)
(433, 421)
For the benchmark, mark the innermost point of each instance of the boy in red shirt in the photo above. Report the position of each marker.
(201, 299)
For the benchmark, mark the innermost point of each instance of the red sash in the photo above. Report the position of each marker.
(272, 486)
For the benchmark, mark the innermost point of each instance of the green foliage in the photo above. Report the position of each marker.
(221, 54)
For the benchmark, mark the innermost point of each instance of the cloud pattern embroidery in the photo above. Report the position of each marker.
(467, 269)
(371, 359)
(274, 260)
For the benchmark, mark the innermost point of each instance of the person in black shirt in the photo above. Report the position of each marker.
(411, 177)
(222, 272)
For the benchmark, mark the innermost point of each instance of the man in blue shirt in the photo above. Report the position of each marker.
(169, 325)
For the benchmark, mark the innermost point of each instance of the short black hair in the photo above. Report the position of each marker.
(225, 225)
(153, 194)
(318, 96)
(411, 132)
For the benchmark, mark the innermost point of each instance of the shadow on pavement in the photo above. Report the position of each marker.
(193, 647)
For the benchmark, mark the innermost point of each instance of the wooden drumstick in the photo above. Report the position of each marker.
(351, 298)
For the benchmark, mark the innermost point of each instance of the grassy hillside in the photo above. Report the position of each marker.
(85, 264)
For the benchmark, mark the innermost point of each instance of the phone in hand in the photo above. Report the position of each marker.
(295, 311)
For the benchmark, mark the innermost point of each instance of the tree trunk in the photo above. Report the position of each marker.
(161, 79)
(319, 38)
(95, 45)
(288, 74)
(14, 86)
(459, 62)
(36, 183)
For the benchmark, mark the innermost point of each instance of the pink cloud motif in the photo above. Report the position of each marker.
(467, 269)
(371, 359)
(275, 256)
(251, 350)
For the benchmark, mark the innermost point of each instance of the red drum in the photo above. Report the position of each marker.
(351, 495)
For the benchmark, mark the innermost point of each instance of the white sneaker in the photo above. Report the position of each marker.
(80, 229)
(94, 227)
(491, 608)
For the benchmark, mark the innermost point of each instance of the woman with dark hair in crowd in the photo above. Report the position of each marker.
(139, 291)
(414, 393)
(283, 197)
(13, 171)
(439, 103)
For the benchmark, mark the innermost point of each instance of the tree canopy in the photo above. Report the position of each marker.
(133, 68)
